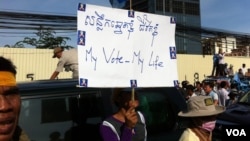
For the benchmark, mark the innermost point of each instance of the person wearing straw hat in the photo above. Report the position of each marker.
(126, 124)
(202, 114)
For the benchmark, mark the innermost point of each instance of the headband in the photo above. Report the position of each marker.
(7, 79)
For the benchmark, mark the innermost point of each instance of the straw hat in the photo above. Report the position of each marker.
(199, 106)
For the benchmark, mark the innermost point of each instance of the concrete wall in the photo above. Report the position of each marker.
(40, 63)
(188, 65)
(36, 61)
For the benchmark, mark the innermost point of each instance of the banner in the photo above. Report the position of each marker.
(123, 48)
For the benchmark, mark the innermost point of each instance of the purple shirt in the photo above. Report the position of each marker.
(109, 135)
(112, 129)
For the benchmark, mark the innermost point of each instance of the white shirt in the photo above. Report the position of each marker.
(69, 61)
(223, 96)
(244, 70)
(221, 60)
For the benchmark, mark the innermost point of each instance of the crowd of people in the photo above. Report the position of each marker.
(205, 100)
(222, 69)
(223, 92)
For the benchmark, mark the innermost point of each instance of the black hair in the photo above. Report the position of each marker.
(234, 86)
(197, 82)
(223, 84)
(184, 83)
(122, 96)
(7, 65)
(190, 87)
(209, 83)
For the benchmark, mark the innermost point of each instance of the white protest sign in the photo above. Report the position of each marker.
(123, 48)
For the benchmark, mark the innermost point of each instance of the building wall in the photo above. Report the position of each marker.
(188, 65)
(226, 44)
(187, 41)
(40, 63)
(186, 12)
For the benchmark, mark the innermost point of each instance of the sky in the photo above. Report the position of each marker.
(228, 15)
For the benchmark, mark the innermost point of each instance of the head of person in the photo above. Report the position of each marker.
(226, 65)
(220, 50)
(184, 83)
(57, 52)
(234, 86)
(232, 95)
(202, 112)
(224, 84)
(243, 65)
(190, 89)
(122, 97)
(231, 66)
(208, 87)
(240, 71)
(198, 84)
(10, 101)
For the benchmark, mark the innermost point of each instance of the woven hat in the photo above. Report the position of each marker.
(199, 106)
(56, 50)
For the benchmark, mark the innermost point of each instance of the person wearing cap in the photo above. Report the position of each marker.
(10, 104)
(126, 124)
(68, 60)
(202, 114)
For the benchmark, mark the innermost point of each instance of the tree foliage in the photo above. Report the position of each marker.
(46, 39)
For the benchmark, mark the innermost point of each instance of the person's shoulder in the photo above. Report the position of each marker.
(188, 135)
(214, 93)
(225, 91)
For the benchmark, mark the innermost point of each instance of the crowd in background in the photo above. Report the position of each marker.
(222, 92)
(222, 69)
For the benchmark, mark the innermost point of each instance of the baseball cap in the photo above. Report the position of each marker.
(56, 50)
